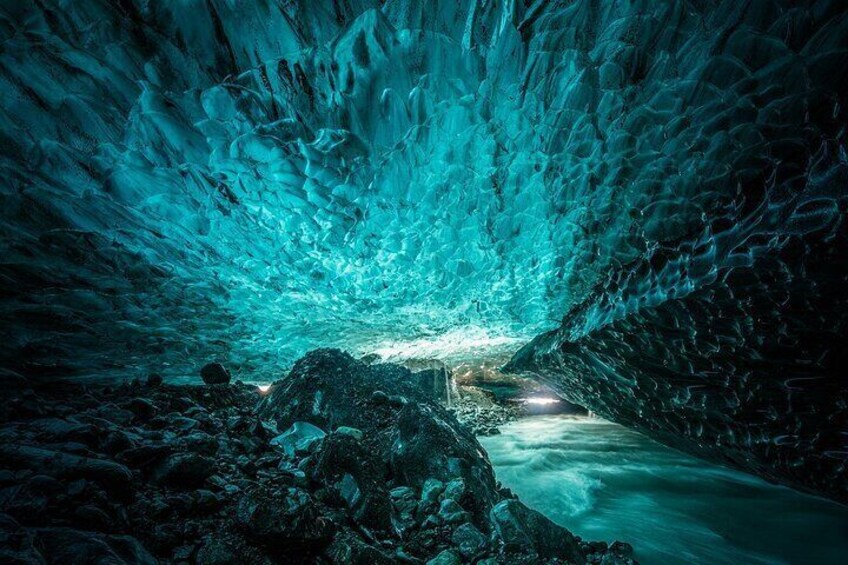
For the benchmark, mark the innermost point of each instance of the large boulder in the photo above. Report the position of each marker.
(407, 435)
(215, 374)
(524, 530)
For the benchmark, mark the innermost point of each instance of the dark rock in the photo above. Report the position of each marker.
(451, 512)
(468, 540)
(143, 408)
(154, 380)
(346, 466)
(115, 478)
(524, 530)
(347, 548)
(286, 521)
(622, 549)
(12, 380)
(215, 374)
(186, 470)
(90, 517)
(65, 546)
(146, 455)
(411, 441)
(216, 552)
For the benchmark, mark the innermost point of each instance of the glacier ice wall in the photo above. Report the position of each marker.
(249, 180)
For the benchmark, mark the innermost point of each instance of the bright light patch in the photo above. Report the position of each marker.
(459, 344)
(542, 400)
(263, 388)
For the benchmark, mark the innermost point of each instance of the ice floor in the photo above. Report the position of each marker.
(606, 482)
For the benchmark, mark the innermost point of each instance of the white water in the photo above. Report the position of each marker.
(605, 482)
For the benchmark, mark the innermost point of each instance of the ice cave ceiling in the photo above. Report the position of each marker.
(662, 181)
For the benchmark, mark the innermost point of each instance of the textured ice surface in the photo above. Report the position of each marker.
(249, 180)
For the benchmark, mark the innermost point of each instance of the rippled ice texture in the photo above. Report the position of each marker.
(603, 481)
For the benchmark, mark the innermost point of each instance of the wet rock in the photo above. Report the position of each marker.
(215, 374)
(468, 540)
(524, 530)
(455, 489)
(431, 491)
(451, 512)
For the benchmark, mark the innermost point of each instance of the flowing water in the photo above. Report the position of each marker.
(605, 482)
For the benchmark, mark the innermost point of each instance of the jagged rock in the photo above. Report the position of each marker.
(525, 530)
(451, 512)
(286, 521)
(215, 374)
(431, 490)
(417, 441)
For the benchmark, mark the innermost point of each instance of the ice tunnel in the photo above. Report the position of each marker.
(643, 201)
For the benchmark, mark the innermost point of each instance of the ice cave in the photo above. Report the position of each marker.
(423, 282)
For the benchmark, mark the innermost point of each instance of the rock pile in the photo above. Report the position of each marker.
(340, 463)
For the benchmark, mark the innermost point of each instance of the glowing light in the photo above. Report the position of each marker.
(541, 400)
(263, 388)
(461, 343)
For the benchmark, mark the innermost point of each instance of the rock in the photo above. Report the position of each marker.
(379, 397)
(455, 489)
(622, 549)
(154, 380)
(12, 380)
(349, 549)
(113, 477)
(286, 521)
(216, 552)
(468, 540)
(185, 470)
(142, 408)
(524, 530)
(343, 462)
(66, 545)
(446, 557)
(352, 432)
(215, 374)
(432, 490)
(91, 517)
(405, 504)
(300, 438)
(451, 512)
